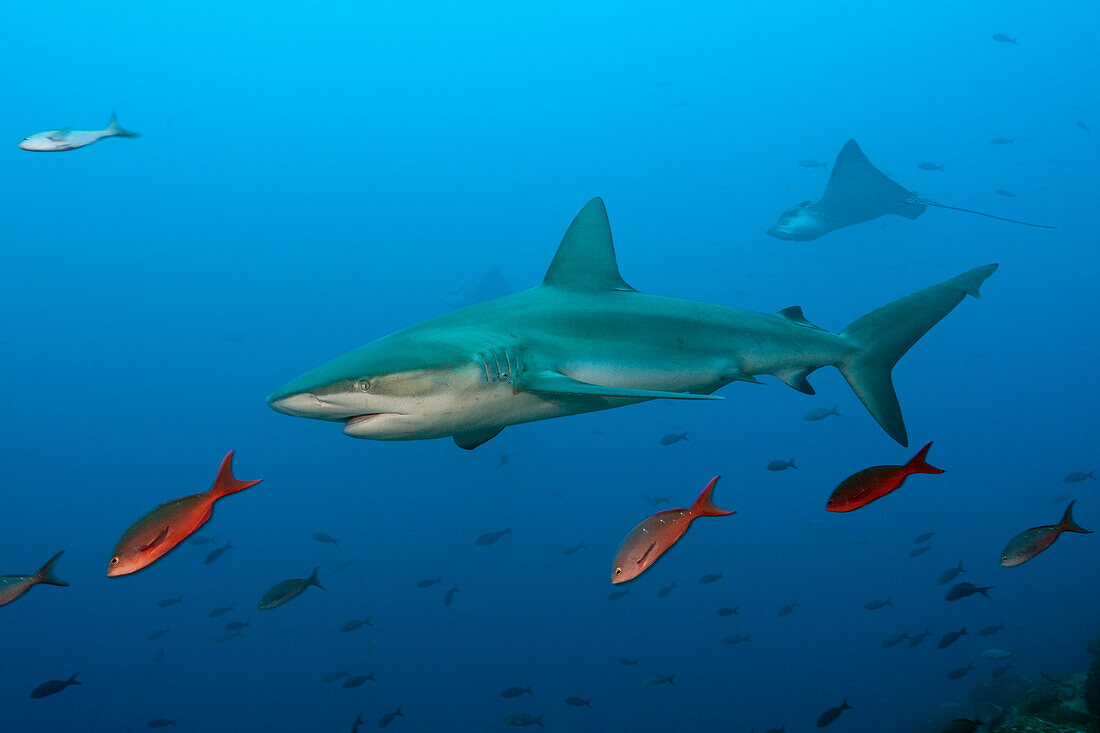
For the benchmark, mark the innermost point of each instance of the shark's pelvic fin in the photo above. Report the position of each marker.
(586, 256)
(556, 382)
(796, 379)
(883, 336)
(471, 440)
(794, 314)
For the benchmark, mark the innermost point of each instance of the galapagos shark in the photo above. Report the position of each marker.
(55, 141)
(584, 340)
(857, 192)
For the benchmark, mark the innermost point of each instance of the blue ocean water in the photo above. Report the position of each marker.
(312, 177)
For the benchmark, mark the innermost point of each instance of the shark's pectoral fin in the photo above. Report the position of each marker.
(556, 382)
(794, 315)
(796, 379)
(471, 440)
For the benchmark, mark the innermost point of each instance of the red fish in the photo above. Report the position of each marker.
(862, 488)
(1031, 542)
(152, 536)
(649, 540)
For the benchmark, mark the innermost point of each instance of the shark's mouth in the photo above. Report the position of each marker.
(356, 425)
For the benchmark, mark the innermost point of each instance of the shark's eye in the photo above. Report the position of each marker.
(363, 385)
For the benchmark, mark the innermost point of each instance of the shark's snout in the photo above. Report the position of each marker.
(298, 404)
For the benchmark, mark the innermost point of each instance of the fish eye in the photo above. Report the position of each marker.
(114, 561)
(363, 385)
(618, 571)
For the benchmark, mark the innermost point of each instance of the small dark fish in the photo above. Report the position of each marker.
(160, 655)
(950, 638)
(216, 553)
(579, 702)
(1004, 38)
(220, 611)
(389, 718)
(666, 590)
(961, 590)
(1082, 125)
(811, 163)
(673, 438)
(341, 567)
(962, 725)
(918, 551)
(167, 602)
(502, 461)
(922, 538)
(1005, 192)
(659, 679)
(617, 594)
(490, 538)
(865, 486)
(710, 578)
(781, 465)
(627, 662)
(787, 609)
(735, 639)
(726, 611)
(517, 691)
(54, 686)
(236, 625)
(287, 590)
(1031, 542)
(948, 575)
(358, 722)
(13, 587)
(924, 165)
(832, 714)
(356, 680)
(876, 605)
(657, 500)
(449, 596)
(522, 720)
(1001, 140)
(429, 582)
(918, 638)
(202, 540)
(894, 639)
(227, 635)
(333, 676)
(1072, 478)
(322, 537)
(160, 723)
(960, 672)
(820, 414)
(573, 548)
(157, 634)
(991, 630)
(1001, 670)
(355, 623)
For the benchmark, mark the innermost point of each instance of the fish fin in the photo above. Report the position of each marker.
(739, 376)
(883, 336)
(918, 464)
(1068, 525)
(471, 440)
(585, 259)
(59, 135)
(796, 379)
(224, 483)
(794, 315)
(113, 128)
(46, 575)
(857, 185)
(704, 506)
(156, 540)
(73, 680)
(313, 579)
(558, 383)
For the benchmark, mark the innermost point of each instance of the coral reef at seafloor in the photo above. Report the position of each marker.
(1069, 704)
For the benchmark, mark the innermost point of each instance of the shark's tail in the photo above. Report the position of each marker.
(883, 336)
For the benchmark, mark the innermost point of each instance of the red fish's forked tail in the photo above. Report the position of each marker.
(704, 507)
(917, 463)
(1068, 525)
(225, 484)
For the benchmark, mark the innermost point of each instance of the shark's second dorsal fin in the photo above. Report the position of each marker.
(586, 256)
(794, 314)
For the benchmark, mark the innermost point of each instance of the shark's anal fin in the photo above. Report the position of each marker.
(794, 315)
(471, 440)
(796, 379)
(556, 382)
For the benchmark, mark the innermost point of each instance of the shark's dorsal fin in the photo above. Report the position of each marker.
(794, 314)
(586, 256)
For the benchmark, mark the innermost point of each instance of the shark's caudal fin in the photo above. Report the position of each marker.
(883, 336)
(113, 128)
(855, 182)
(585, 259)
